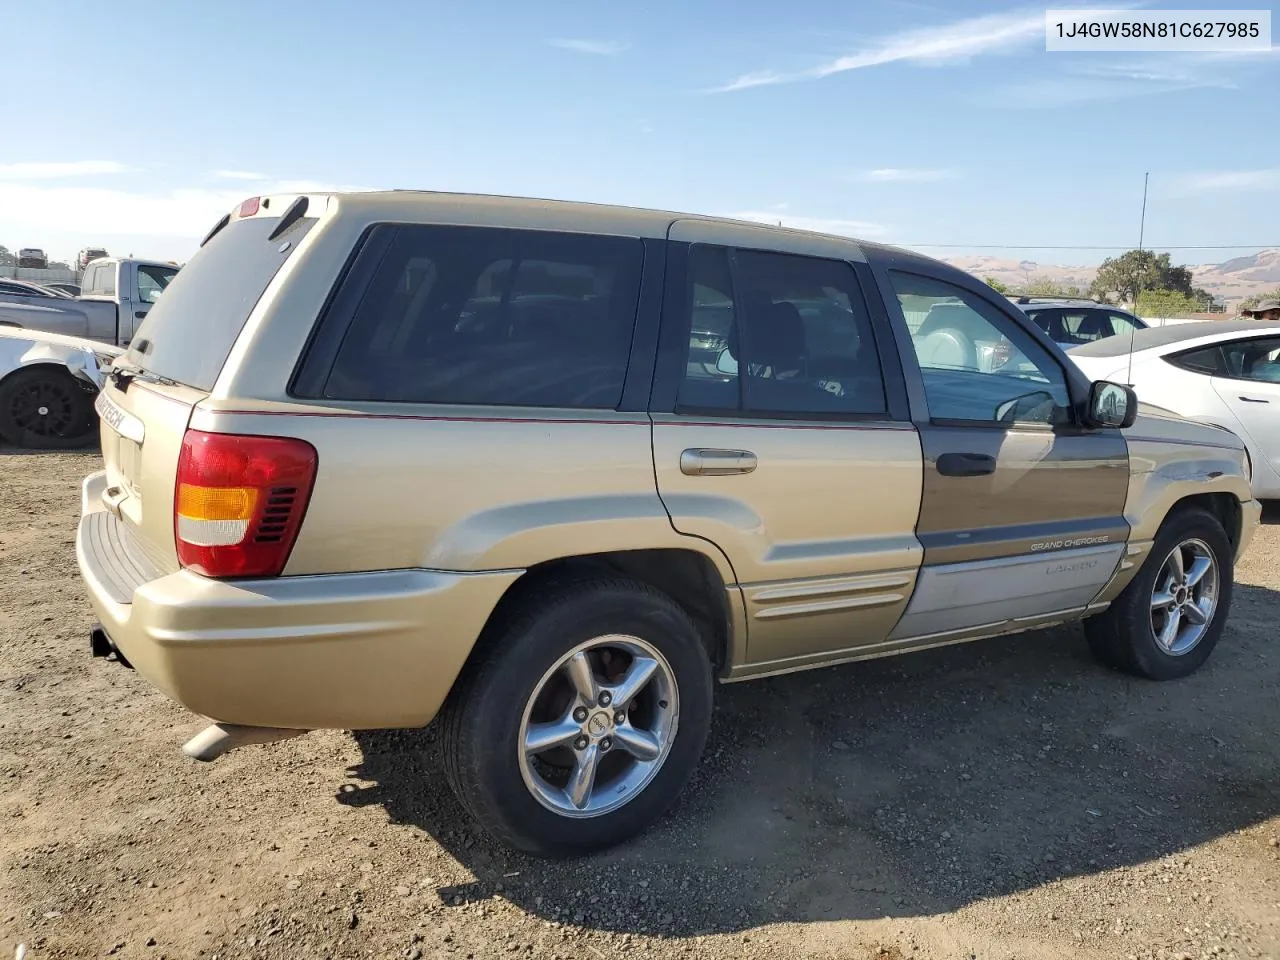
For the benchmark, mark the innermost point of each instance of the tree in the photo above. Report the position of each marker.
(1167, 303)
(1246, 304)
(7, 259)
(1133, 272)
(1048, 287)
(996, 285)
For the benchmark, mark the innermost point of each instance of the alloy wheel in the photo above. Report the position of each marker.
(598, 726)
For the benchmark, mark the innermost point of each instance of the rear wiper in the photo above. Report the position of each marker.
(123, 374)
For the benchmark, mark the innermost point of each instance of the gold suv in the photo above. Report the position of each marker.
(551, 470)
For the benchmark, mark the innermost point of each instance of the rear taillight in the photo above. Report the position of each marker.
(239, 502)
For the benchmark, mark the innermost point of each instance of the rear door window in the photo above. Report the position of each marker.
(483, 316)
(188, 334)
(1085, 326)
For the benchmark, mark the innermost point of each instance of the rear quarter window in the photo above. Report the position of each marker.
(491, 317)
(1207, 360)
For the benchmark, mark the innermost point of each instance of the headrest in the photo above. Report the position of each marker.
(777, 335)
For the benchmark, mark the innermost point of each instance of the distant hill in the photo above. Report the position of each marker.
(1241, 276)
(1015, 273)
(1232, 279)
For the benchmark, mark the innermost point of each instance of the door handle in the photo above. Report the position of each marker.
(716, 463)
(1254, 400)
(139, 314)
(966, 465)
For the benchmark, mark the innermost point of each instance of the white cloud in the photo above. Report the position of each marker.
(1098, 81)
(953, 42)
(846, 228)
(57, 169)
(906, 175)
(238, 175)
(1227, 180)
(761, 78)
(31, 209)
(599, 48)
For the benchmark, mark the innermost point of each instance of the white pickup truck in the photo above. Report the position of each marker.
(115, 295)
(54, 350)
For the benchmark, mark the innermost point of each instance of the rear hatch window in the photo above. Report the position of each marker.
(188, 334)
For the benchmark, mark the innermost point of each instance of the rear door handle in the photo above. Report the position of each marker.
(1254, 400)
(139, 314)
(966, 465)
(702, 462)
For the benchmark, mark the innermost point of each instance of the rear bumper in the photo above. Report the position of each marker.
(350, 651)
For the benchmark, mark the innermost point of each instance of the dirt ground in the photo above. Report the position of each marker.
(996, 800)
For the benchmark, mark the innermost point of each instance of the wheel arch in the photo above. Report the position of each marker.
(37, 364)
(687, 576)
(1224, 507)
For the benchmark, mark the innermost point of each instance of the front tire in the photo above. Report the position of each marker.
(46, 408)
(1166, 622)
(581, 718)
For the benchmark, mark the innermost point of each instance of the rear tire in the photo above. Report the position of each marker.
(46, 408)
(614, 675)
(1138, 634)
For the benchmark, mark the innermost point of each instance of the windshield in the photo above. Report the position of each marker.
(188, 334)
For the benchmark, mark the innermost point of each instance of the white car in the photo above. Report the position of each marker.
(1223, 372)
(48, 384)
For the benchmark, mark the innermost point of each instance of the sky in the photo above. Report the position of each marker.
(942, 126)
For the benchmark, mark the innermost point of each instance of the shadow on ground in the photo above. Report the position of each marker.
(906, 786)
(9, 450)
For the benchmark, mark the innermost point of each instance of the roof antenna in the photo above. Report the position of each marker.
(1137, 291)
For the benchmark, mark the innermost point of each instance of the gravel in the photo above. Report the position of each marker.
(1002, 799)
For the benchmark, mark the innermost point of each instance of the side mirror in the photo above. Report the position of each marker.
(726, 364)
(1112, 405)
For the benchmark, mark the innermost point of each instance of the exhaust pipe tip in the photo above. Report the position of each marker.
(218, 738)
(99, 643)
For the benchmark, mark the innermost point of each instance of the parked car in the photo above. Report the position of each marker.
(88, 255)
(114, 298)
(70, 289)
(374, 458)
(10, 289)
(32, 257)
(47, 388)
(1225, 372)
(1070, 321)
